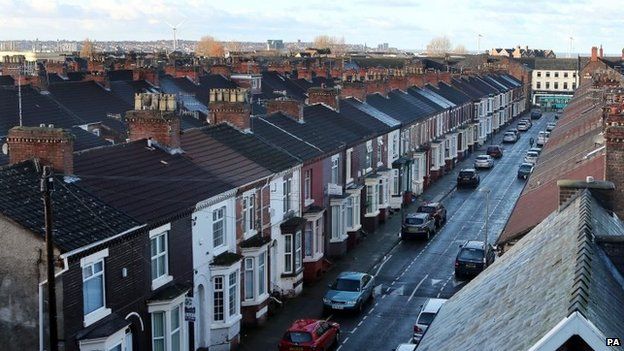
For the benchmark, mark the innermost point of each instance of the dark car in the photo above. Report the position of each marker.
(525, 170)
(470, 259)
(536, 114)
(436, 210)
(495, 151)
(310, 334)
(468, 177)
(418, 225)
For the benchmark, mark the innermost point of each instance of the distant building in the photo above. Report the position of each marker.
(383, 47)
(275, 44)
(554, 80)
(520, 52)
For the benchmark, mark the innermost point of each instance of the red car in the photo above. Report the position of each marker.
(310, 335)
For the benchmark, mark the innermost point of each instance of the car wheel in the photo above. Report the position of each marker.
(428, 234)
(360, 308)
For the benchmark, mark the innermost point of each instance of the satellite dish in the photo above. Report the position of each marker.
(5, 148)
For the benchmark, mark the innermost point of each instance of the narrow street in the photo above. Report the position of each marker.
(411, 271)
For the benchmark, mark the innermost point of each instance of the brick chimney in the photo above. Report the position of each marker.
(154, 118)
(328, 96)
(53, 146)
(600, 50)
(614, 162)
(230, 106)
(602, 190)
(355, 89)
(594, 54)
(289, 107)
(221, 69)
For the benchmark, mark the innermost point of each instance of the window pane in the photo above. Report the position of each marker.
(93, 292)
(261, 278)
(158, 328)
(175, 318)
(308, 239)
(232, 294)
(218, 298)
(154, 249)
(162, 243)
(249, 280)
(159, 345)
(175, 341)
(154, 269)
(161, 266)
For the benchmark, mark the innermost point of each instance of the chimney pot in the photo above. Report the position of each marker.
(42, 125)
(50, 125)
(589, 179)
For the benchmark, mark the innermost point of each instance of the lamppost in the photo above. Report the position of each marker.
(487, 215)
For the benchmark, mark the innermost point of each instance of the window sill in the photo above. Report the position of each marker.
(355, 228)
(317, 256)
(338, 240)
(372, 214)
(349, 181)
(308, 202)
(249, 234)
(228, 323)
(160, 281)
(292, 274)
(96, 315)
(256, 301)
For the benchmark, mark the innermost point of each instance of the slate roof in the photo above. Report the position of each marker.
(79, 217)
(555, 270)
(119, 75)
(401, 106)
(216, 81)
(554, 64)
(369, 110)
(125, 90)
(86, 140)
(570, 153)
(7, 80)
(281, 138)
(90, 102)
(147, 184)
(450, 93)
(273, 82)
(188, 99)
(75, 76)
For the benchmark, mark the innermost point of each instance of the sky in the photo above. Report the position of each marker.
(406, 24)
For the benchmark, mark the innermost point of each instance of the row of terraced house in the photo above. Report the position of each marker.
(178, 236)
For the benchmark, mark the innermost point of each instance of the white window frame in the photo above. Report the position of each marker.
(219, 215)
(89, 261)
(372, 205)
(288, 253)
(307, 187)
(165, 278)
(379, 151)
(348, 171)
(249, 265)
(233, 293)
(368, 163)
(219, 279)
(167, 308)
(249, 213)
(286, 195)
(335, 170)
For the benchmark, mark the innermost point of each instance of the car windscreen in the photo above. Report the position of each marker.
(482, 158)
(414, 221)
(465, 174)
(426, 209)
(525, 168)
(298, 337)
(468, 254)
(346, 285)
(426, 318)
(532, 154)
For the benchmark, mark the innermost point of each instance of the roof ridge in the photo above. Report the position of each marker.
(579, 297)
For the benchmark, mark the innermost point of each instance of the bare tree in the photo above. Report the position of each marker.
(209, 47)
(460, 49)
(335, 44)
(87, 49)
(439, 46)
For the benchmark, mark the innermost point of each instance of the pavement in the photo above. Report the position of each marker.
(408, 272)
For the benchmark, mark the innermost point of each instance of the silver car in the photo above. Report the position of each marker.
(484, 161)
(510, 137)
(531, 157)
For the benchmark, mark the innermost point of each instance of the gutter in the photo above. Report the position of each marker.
(66, 255)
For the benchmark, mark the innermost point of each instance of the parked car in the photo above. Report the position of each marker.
(525, 170)
(468, 177)
(557, 115)
(542, 138)
(471, 258)
(406, 347)
(531, 157)
(435, 209)
(550, 126)
(515, 131)
(536, 114)
(484, 161)
(427, 313)
(510, 137)
(523, 126)
(310, 335)
(496, 151)
(349, 291)
(536, 149)
(418, 225)
(527, 121)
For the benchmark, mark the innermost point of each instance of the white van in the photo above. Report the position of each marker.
(427, 313)
(542, 138)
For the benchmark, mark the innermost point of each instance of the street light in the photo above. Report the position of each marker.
(487, 215)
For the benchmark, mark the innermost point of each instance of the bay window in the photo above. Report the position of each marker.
(176, 322)
(395, 182)
(292, 252)
(262, 274)
(249, 278)
(307, 186)
(313, 236)
(371, 198)
(308, 239)
(254, 275)
(218, 298)
(368, 164)
(288, 252)
(348, 174)
(158, 331)
(233, 294)
(168, 328)
(338, 223)
(350, 212)
(379, 151)
(226, 293)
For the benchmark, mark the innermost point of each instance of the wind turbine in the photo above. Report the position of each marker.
(175, 28)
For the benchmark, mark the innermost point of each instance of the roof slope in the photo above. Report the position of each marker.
(555, 270)
(147, 184)
(283, 139)
(79, 218)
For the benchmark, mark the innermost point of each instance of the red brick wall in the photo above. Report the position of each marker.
(377, 86)
(236, 113)
(290, 107)
(149, 75)
(614, 170)
(328, 96)
(221, 69)
(397, 82)
(149, 124)
(52, 146)
(356, 89)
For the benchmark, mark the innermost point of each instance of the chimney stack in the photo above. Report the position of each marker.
(289, 107)
(230, 106)
(602, 190)
(154, 118)
(614, 162)
(600, 50)
(53, 146)
(327, 96)
(356, 89)
(594, 54)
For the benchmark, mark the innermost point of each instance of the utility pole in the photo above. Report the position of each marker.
(46, 188)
